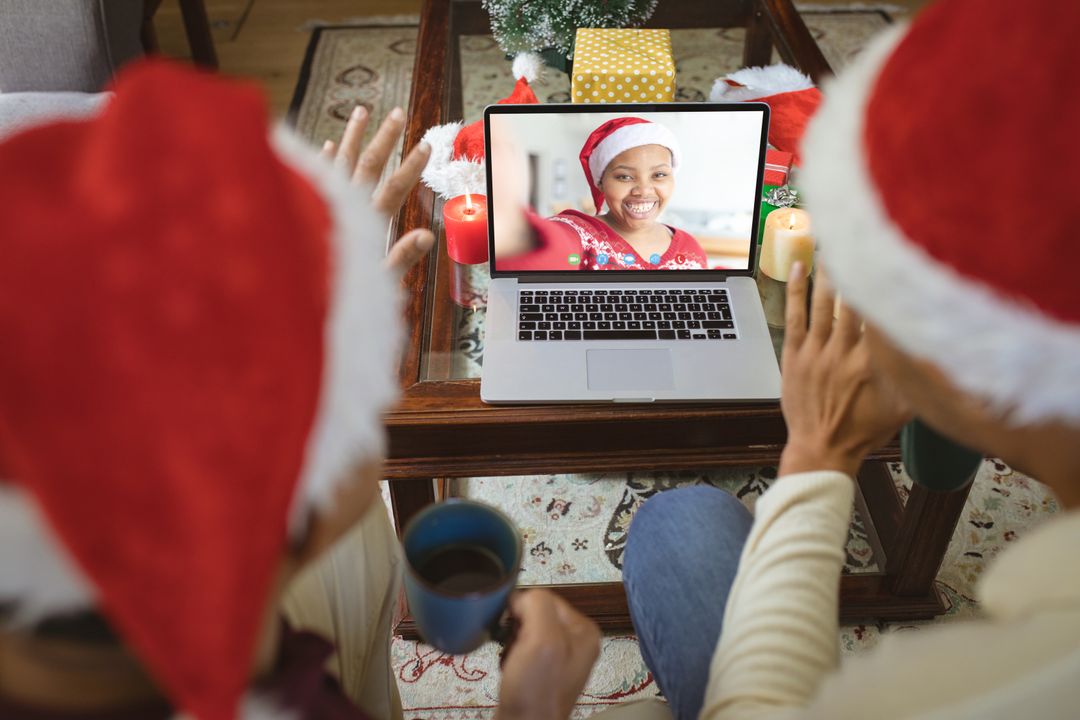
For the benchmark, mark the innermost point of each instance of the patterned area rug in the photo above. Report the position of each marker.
(575, 525)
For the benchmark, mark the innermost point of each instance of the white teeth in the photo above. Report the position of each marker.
(640, 208)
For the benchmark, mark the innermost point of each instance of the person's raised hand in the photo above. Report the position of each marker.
(546, 667)
(365, 166)
(510, 168)
(836, 407)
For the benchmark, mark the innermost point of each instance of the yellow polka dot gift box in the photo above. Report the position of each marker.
(622, 65)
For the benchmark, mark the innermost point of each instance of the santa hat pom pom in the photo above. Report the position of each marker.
(528, 65)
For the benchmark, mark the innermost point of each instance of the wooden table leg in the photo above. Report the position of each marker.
(930, 518)
(758, 48)
(197, 28)
(408, 497)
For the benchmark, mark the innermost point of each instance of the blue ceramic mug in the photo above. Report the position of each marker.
(462, 561)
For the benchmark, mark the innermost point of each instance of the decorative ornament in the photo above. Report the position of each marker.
(535, 25)
(783, 196)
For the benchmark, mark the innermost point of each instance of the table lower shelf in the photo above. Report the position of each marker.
(914, 536)
(863, 596)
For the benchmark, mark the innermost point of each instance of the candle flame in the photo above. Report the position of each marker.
(791, 221)
(468, 203)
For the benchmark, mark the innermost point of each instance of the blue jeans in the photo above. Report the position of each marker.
(680, 560)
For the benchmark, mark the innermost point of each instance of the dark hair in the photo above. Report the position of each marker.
(85, 626)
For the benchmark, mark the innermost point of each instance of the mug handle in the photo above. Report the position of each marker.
(504, 631)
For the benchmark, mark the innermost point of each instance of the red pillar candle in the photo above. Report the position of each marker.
(465, 221)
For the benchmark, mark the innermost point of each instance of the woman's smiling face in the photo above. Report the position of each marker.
(637, 184)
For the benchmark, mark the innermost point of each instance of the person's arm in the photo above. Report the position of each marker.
(780, 623)
(550, 246)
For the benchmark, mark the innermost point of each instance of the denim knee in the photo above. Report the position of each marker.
(674, 515)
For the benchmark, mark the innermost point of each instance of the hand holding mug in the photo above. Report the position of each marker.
(547, 665)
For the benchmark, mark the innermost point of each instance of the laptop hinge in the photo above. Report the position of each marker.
(643, 277)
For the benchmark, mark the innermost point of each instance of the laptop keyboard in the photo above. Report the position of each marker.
(679, 314)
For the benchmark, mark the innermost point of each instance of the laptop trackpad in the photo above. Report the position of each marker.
(620, 370)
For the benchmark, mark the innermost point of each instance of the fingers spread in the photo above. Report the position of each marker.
(329, 148)
(349, 148)
(392, 194)
(373, 159)
(821, 309)
(795, 310)
(409, 250)
(848, 326)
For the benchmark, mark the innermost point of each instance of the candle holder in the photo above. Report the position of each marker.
(786, 240)
(468, 285)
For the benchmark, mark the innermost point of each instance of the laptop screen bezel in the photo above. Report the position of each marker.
(629, 109)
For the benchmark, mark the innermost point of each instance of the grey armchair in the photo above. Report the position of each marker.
(66, 45)
(77, 45)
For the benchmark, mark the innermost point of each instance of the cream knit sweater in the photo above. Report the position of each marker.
(778, 653)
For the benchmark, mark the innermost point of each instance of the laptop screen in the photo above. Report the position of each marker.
(672, 187)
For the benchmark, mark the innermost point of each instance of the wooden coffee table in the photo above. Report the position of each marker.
(442, 430)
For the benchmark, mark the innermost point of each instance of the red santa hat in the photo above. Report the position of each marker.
(790, 95)
(456, 165)
(617, 136)
(198, 341)
(970, 269)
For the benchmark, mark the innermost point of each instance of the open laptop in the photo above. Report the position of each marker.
(651, 300)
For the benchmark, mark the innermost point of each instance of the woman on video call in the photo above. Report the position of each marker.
(630, 166)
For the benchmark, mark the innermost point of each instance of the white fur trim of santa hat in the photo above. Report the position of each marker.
(631, 136)
(363, 335)
(362, 338)
(758, 82)
(445, 175)
(1020, 361)
(37, 574)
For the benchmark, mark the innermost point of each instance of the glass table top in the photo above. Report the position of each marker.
(454, 343)
(454, 339)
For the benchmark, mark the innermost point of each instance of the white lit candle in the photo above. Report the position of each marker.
(786, 240)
